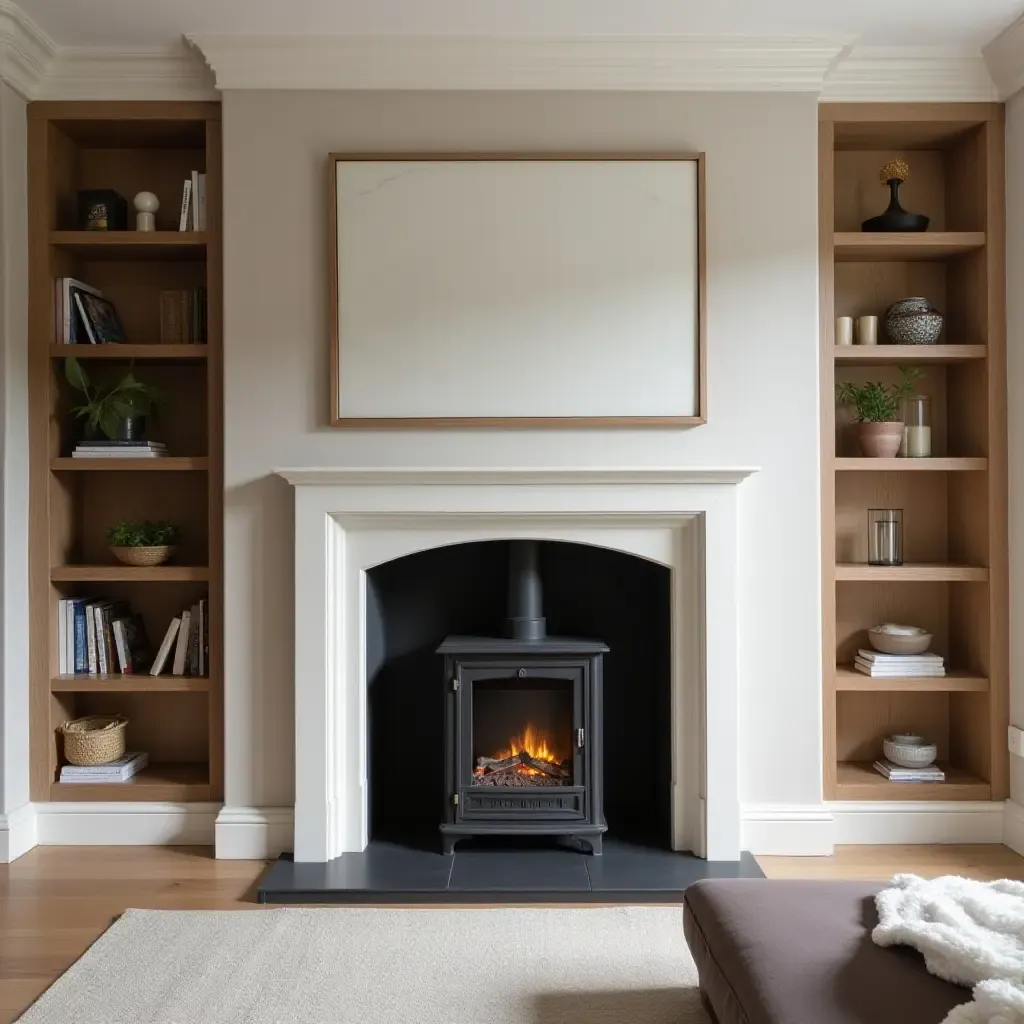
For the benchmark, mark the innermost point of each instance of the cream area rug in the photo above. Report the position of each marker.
(360, 966)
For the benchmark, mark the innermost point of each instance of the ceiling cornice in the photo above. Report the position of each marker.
(1005, 59)
(26, 51)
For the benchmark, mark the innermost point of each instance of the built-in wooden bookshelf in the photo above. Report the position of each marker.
(955, 579)
(178, 720)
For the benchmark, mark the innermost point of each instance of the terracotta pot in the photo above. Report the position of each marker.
(880, 440)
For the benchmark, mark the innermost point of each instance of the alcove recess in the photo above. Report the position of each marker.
(954, 577)
(178, 720)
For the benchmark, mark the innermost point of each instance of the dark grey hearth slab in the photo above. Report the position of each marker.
(387, 873)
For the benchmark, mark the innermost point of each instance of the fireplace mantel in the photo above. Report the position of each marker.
(348, 520)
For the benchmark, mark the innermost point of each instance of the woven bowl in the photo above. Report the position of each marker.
(143, 556)
(910, 755)
(98, 739)
(886, 642)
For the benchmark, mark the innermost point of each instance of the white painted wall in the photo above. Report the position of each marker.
(762, 370)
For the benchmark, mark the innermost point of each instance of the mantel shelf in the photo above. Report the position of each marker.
(920, 572)
(899, 246)
(881, 355)
(934, 465)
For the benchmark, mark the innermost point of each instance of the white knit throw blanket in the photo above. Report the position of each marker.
(970, 933)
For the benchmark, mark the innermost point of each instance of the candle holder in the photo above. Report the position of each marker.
(885, 536)
(917, 427)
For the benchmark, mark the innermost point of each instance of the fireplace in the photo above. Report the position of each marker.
(523, 729)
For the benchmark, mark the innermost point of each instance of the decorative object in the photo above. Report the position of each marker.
(891, 638)
(895, 218)
(142, 543)
(146, 205)
(844, 330)
(99, 318)
(97, 739)
(885, 536)
(917, 427)
(913, 321)
(867, 330)
(102, 209)
(117, 410)
(909, 751)
(507, 233)
(880, 429)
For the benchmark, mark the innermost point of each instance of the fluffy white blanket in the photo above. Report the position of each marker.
(970, 933)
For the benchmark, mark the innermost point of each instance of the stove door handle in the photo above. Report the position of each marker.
(579, 738)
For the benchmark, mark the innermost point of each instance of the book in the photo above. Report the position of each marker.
(81, 661)
(67, 317)
(62, 637)
(201, 203)
(91, 656)
(133, 650)
(192, 655)
(102, 324)
(181, 650)
(918, 672)
(894, 773)
(170, 317)
(186, 206)
(204, 636)
(116, 771)
(121, 453)
(898, 659)
(194, 219)
(160, 661)
(105, 444)
(109, 611)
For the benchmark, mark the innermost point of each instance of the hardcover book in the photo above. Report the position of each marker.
(102, 324)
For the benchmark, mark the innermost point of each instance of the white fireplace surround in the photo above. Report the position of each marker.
(349, 520)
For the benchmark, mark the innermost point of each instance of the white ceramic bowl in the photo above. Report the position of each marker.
(913, 754)
(892, 639)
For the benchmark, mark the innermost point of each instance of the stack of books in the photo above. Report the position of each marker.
(100, 637)
(120, 770)
(894, 773)
(183, 316)
(193, 203)
(899, 666)
(186, 644)
(104, 449)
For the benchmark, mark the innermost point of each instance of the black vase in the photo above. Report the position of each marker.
(896, 218)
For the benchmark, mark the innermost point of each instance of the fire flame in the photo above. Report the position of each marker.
(536, 743)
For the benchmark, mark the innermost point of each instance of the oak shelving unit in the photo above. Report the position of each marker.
(955, 578)
(178, 720)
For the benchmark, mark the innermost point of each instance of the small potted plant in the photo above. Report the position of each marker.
(879, 427)
(142, 543)
(118, 410)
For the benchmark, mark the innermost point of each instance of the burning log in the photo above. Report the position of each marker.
(556, 771)
(521, 760)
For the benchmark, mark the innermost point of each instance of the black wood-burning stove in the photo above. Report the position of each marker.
(523, 725)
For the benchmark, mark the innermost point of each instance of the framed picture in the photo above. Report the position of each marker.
(517, 290)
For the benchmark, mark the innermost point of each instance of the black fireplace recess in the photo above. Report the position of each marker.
(523, 727)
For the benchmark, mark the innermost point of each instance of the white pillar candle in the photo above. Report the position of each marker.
(867, 330)
(844, 330)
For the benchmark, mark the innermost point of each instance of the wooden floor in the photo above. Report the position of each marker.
(55, 901)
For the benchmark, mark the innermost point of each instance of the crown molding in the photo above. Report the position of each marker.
(907, 74)
(622, 63)
(1005, 59)
(26, 51)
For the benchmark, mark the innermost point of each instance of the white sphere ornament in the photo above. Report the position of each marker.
(146, 205)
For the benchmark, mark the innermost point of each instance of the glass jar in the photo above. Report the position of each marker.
(917, 427)
(885, 536)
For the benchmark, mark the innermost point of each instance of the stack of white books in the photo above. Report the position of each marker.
(120, 770)
(119, 450)
(899, 666)
(894, 773)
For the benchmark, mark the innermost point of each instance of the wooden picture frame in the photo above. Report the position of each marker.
(340, 420)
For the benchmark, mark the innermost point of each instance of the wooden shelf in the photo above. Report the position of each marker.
(152, 351)
(172, 464)
(935, 465)
(921, 572)
(898, 246)
(881, 355)
(129, 573)
(142, 683)
(176, 783)
(158, 245)
(850, 680)
(857, 780)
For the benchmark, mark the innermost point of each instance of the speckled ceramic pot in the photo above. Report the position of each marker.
(913, 321)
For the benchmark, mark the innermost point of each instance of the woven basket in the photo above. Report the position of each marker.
(143, 556)
(98, 739)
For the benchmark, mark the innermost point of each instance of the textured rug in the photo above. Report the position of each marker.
(507, 966)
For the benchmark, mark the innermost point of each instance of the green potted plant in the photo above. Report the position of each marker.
(142, 543)
(117, 410)
(879, 427)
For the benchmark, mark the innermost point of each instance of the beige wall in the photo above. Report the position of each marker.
(762, 371)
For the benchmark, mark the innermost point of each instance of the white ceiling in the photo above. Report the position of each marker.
(120, 23)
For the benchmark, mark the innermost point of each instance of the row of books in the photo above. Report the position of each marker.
(193, 203)
(183, 316)
(894, 773)
(120, 770)
(82, 316)
(899, 666)
(105, 449)
(188, 637)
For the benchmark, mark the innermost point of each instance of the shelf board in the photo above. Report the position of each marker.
(134, 245)
(118, 683)
(129, 573)
(181, 783)
(170, 464)
(900, 246)
(880, 355)
(910, 572)
(849, 679)
(857, 780)
(934, 465)
(153, 351)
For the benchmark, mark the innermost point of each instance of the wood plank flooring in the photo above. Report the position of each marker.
(56, 901)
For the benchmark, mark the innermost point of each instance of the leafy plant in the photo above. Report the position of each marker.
(146, 534)
(106, 405)
(877, 402)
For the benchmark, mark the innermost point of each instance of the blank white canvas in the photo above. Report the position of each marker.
(517, 288)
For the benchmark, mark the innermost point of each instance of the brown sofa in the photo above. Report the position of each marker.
(800, 952)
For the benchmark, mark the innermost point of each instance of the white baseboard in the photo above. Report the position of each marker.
(17, 833)
(795, 830)
(927, 821)
(253, 833)
(1013, 826)
(125, 824)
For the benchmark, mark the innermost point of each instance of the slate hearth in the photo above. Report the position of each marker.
(490, 871)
